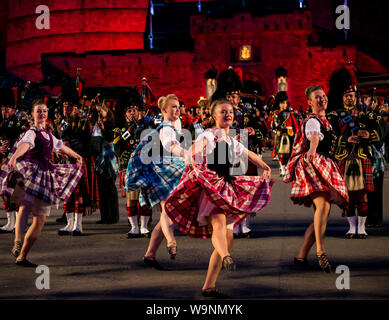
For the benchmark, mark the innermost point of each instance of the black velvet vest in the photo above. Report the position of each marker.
(221, 160)
(326, 146)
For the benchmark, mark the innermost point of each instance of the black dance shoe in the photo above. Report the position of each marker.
(324, 263)
(152, 263)
(16, 248)
(172, 249)
(302, 263)
(362, 236)
(229, 264)
(7, 231)
(25, 263)
(146, 235)
(351, 236)
(133, 235)
(213, 293)
(77, 233)
(64, 233)
(246, 235)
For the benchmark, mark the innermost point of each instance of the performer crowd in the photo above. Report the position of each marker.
(208, 179)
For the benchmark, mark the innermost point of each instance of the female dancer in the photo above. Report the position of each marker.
(314, 175)
(159, 177)
(209, 200)
(31, 180)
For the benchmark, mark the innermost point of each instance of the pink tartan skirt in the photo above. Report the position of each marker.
(201, 192)
(322, 175)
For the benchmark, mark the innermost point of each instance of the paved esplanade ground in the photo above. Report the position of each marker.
(104, 264)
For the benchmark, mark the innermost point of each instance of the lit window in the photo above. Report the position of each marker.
(245, 53)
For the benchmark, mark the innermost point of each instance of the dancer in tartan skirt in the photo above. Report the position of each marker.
(209, 200)
(34, 182)
(158, 174)
(315, 177)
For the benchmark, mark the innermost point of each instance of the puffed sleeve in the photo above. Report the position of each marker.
(29, 137)
(168, 138)
(57, 144)
(210, 137)
(313, 127)
(238, 147)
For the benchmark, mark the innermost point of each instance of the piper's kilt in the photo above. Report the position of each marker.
(237, 199)
(82, 188)
(156, 180)
(320, 175)
(367, 168)
(92, 182)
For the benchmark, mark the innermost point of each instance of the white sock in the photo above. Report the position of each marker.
(11, 220)
(78, 222)
(361, 225)
(353, 224)
(70, 224)
(144, 220)
(134, 225)
(245, 225)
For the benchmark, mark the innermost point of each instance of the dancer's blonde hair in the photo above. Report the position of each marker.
(162, 101)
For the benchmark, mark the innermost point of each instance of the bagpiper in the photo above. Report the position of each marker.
(357, 133)
(75, 132)
(12, 124)
(132, 123)
(285, 126)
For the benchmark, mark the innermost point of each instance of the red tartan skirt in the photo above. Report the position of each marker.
(367, 168)
(322, 175)
(243, 196)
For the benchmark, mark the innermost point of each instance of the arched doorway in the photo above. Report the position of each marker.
(253, 90)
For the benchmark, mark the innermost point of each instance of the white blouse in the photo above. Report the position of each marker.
(211, 143)
(313, 127)
(168, 138)
(30, 135)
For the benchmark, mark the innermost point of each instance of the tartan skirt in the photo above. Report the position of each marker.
(156, 180)
(367, 168)
(57, 183)
(320, 175)
(237, 199)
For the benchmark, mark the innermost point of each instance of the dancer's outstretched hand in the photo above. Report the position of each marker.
(311, 155)
(79, 162)
(12, 163)
(267, 173)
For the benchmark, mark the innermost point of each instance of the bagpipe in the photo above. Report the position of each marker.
(127, 132)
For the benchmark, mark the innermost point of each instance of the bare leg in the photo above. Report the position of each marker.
(320, 219)
(155, 241)
(32, 235)
(219, 234)
(215, 264)
(309, 240)
(21, 223)
(167, 226)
